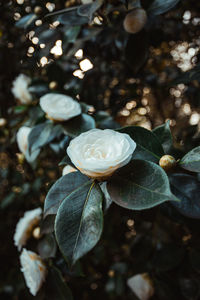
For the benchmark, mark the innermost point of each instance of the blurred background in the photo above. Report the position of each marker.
(138, 79)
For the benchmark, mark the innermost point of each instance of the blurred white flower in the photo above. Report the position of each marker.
(34, 270)
(22, 138)
(98, 153)
(142, 286)
(25, 226)
(20, 89)
(68, 169)
(59, 107)
(2, 122)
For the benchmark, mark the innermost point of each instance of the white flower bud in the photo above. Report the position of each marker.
(34, 270)
(59, 107)
(20, 89)
(98, 153)
(22, 138)
(68, 169)
(25, 226)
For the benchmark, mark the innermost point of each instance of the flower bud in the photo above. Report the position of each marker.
(38, 10)
(2, 122)
(167, 162)
(135, 20)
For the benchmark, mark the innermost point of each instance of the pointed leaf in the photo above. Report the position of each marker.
(79, 222)
(159, 7)
(164, 135)
(148, 145)
(187, 189)
(139, 185)
(191, 161)
(39, 136)
(78, 125)
(61, 189)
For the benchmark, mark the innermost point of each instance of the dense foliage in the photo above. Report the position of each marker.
(140, 216)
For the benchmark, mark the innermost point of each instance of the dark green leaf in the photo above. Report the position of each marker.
(72, 18)
(164, 135)
(58, 287)
(88, 10)
(148, 145)
(26, 21)
(79, 221)
(191, 161)
(78, 125)
(72, 33)
(47, 246)
(187, 189)
(136, 51)
(39, 136)
(139, 185)
(159, 7)
(62, 189)
(20, 109)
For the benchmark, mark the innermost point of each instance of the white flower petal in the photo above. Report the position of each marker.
(22, 138)
(25, 225)
(59, 107)
(20, 89)
(98, 153)
(34, 270)
(141, 286)
(68, 169)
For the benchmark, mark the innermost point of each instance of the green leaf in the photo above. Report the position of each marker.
(61, 189)
(71, 18)
(136, 51)
(79, 221)
(26, 21)
(139, 185)
(187, 189)
(58, 287)
(47, 246)
(191, 161)
(164, 135)
(79, 125)
(148, 145)
(159, 7)
(88, 10)
(39, 136)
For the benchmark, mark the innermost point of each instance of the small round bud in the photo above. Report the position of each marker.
(38, 10)
(167, 162)
(20, 158)
(2, 122)
(36, 233)
(53, 85)
(135, 20)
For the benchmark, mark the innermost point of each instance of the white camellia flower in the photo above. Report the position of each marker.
(98, 153)
(68, 169)
(59, 107)
(20, 89)
(22, 138)
(25, 226)
(34, 270)
(142, 286)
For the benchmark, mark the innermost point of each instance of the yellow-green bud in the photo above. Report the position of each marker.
(167, 162)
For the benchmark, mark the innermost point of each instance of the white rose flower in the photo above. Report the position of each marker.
(142, 286)
(20, 89)
(98, 153)
(68, 169)
(22, 138)
(25, 226)
(59, 107)
(34, 270)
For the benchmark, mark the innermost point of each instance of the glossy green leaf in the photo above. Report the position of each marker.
(39, 136)
(79, 221)
(26, 21)
(58, 289)
(191, 161)
(187, 189)
(159, 7)
(72, 18)
(164, 135)
(140, 185)
(61, 189)
(148, 145)
(79, 125)
(47, 246)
